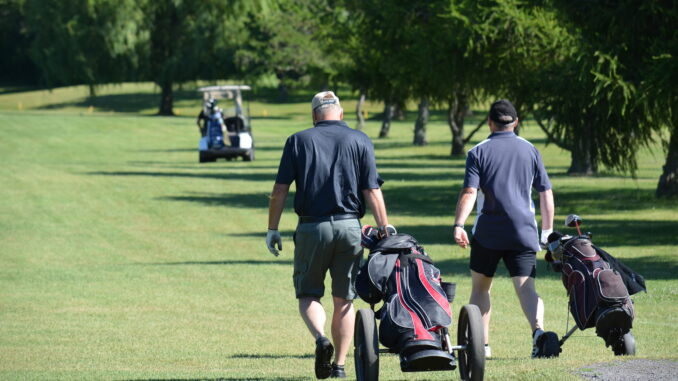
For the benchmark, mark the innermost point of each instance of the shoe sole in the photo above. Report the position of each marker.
(323, 356)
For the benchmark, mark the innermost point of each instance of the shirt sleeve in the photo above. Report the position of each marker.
(541, 180)
(286, 171)
(369, 178)
(472, 176)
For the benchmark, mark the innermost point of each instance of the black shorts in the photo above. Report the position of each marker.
(518, 263)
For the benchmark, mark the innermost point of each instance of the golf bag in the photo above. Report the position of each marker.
(416, 308)
(599, 296)
(215, 136)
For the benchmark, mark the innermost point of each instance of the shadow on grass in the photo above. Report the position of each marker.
(217, 176)
(415, 200)
(590, 201)
(246, 200)
(269, 356)
(220, 379)
(222, 263)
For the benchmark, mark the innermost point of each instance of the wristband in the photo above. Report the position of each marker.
(457, 226)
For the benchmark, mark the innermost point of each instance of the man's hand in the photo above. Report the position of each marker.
(460, 237)
(387, 231)
(543, 240)
(273, 238)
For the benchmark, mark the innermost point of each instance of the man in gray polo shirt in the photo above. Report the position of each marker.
(500, 173)
(335, 173)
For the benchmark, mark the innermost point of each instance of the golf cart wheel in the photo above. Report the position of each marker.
(202, 158)
(249, 156)
(470, 335)
(625, 346)
(366, 342)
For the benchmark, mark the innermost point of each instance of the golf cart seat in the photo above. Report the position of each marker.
(235, 124)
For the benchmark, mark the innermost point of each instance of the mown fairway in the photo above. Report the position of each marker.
(123, 258)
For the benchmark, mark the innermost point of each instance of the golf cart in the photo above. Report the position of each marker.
(227, 133)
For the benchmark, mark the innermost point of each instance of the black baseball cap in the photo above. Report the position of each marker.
(503, 112)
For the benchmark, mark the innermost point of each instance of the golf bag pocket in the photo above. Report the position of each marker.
(611, 286)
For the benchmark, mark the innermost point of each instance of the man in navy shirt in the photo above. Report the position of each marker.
(335, 173)
(500, 173)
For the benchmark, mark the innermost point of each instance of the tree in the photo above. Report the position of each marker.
(16, 65)
(78, 41)
(287, 41)
(192, 39)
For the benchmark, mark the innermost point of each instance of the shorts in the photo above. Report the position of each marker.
(323, 246)
(518, 263)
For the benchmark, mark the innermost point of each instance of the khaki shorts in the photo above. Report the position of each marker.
(322, 246)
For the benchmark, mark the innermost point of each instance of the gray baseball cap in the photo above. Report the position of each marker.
(324, 98)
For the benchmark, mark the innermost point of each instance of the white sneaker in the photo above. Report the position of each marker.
(488, 351)
(535, 337)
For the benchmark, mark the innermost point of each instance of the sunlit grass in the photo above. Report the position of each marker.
(123, 258)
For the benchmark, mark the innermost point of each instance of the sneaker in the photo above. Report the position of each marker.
(488, 351)
(338, 371)
(323, 354)
(536, 343)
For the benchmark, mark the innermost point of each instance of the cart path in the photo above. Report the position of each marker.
(632, 370)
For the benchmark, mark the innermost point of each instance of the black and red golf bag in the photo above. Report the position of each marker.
(416, 310)
(597, 285)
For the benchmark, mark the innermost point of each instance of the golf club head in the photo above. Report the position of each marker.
(573, 220)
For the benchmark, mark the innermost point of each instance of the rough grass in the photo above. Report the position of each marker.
(123, 258)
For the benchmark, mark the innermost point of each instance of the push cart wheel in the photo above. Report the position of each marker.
(366, 351)
(470, 335)
(625, 346)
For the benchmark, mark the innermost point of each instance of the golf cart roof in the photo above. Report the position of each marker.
(224, 91)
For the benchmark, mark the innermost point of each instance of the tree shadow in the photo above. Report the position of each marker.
(216, 176)
(269, 356)
(590, 201)
(431, 200)
(221, 379)
(221, 263)
(238, 200)
(618, 233)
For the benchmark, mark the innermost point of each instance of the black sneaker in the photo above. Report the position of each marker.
(323, 354)
(338, 371)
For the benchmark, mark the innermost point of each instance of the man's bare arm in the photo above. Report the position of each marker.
(547, 208)
(467, 198)
(277, 204)
(375, 201)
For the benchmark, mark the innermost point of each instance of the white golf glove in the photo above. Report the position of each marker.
(273, 238)
(544, 239)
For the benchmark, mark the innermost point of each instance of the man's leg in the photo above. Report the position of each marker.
(313, 314)
(343, 321)
(480, 296)
(533, 306)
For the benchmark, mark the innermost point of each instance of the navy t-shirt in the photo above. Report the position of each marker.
(505, 168)
(331, 165)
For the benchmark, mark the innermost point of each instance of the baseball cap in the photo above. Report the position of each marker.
(503, 112)
(324, 98)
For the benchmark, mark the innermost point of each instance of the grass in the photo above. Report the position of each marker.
(123, 258)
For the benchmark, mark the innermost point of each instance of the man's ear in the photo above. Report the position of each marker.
(314, 118)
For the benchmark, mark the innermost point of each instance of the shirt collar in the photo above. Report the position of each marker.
(502, 134)
(330, 123)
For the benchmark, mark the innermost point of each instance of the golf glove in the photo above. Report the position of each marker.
(272, 239)
(544, 239)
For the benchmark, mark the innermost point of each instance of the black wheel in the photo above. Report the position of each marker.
(202, 158)
(549, 345)
(625, 346)
(470, 334)
(366, 342)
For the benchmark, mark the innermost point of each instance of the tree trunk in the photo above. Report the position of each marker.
(359, 111)
(420, 125)
(92, 90)
(389, 109)
(456, 112)
(583, 162)
(166, 99)
(668, 181)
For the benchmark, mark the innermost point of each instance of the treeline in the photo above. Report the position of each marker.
(600, 77)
